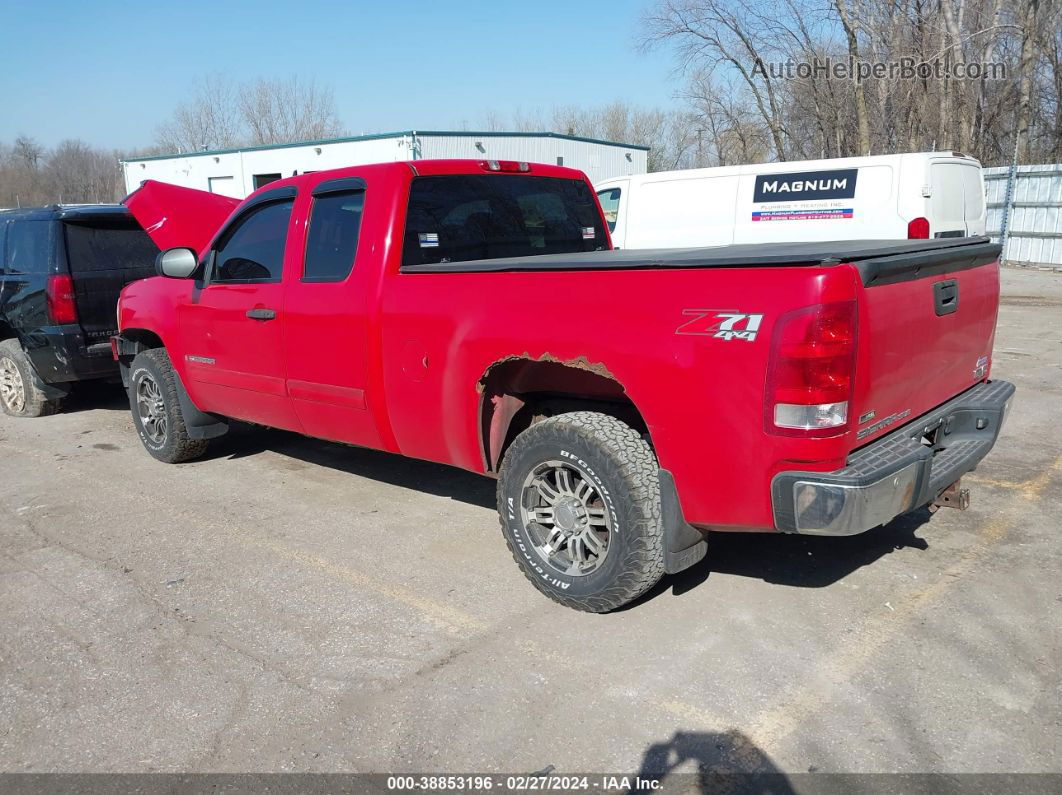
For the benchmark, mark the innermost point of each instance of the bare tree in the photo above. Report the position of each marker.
(28, 151)
(852, 40)
(730, 34)
(728, 129)
(210, 119)
(73, 172)
(20, 177)
(933, 105)
(1052, 101)
(77, 173)
(1025, 85)
(285, 110)
(221, 114)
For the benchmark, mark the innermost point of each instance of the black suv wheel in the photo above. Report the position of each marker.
(19, 394)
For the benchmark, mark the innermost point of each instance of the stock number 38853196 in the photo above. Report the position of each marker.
(481, 783)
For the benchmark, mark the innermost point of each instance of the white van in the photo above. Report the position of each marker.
(916, 195)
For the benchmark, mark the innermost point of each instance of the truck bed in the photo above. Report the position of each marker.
(879, 261)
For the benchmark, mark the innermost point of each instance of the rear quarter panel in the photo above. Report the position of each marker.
(702, 397)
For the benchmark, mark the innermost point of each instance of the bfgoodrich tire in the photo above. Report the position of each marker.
(157, 409)
(579, 500)
(19, 395)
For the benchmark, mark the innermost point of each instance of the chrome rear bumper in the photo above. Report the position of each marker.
(897, 473)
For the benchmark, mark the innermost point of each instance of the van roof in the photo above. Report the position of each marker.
(792, 165)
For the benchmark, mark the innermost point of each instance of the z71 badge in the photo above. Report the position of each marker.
(721, 324)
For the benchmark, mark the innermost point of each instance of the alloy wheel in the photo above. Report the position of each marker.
(152, 409)
(12, 387)
(566, 518)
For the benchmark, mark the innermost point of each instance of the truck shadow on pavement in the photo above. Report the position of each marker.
(95, 395)
(243, 441)
(716, 762)
(801, 561)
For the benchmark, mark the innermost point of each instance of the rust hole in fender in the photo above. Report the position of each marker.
(578, 363)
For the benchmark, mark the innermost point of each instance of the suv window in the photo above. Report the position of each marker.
(489, 216)
(253, 249)
(28, 246)
(109, 245)
(610, 206)
(332, 240)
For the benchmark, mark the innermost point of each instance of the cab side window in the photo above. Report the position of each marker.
(253, 249)
(332, 240)
(610, 199)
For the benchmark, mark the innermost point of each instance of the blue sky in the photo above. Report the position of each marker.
(109, 72)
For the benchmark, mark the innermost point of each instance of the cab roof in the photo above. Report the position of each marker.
(419, 168)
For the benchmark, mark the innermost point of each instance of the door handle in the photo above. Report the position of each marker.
(946, 297)
(261, 314)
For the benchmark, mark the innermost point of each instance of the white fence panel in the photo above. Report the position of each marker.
(1034, 225)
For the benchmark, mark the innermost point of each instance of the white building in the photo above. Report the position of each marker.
(238, 172)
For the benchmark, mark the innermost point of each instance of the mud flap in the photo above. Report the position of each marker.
(684, 544)
(50, 391)
(198, 424)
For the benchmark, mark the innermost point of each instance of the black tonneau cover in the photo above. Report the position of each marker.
(879, 261)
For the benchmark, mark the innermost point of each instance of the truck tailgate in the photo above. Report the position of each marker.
(927, 326)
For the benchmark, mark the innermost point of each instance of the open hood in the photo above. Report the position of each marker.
(176, 217)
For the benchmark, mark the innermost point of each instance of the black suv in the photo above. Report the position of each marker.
(61, 269)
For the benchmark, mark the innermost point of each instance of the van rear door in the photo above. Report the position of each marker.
(973, 191)
(947, 205)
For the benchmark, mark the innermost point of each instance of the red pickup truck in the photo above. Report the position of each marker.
(475, 314)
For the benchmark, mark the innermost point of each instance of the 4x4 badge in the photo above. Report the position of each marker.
(721, 324)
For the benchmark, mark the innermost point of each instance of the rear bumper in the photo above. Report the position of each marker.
(897, 473)
(59, 354)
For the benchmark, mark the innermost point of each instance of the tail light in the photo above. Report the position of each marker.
(504, 165)
(62, 309)
(918, 229)
(812, 371)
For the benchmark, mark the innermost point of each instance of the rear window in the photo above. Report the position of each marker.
(108, 245)
(492, 216)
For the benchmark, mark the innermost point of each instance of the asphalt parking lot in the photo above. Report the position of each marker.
(294, 605)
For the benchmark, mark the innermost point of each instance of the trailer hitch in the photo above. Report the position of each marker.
(954, 496)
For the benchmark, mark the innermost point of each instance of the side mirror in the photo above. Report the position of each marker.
(177, 263)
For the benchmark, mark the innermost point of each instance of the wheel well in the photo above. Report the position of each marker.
(517, 392)
(141, 339)
(6, 332)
